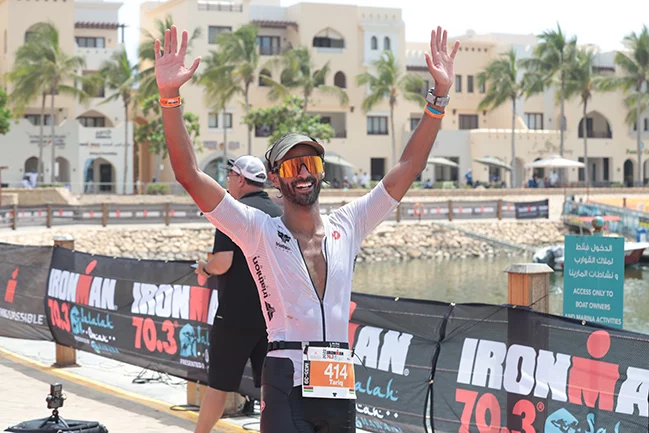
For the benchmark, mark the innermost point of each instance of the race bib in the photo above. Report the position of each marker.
(328, 372)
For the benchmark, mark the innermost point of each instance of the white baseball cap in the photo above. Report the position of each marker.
(248, 166)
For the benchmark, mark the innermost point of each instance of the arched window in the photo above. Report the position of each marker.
(328, 38)
(374, 43)
(386, 44)
(264, 73)
(340, 80)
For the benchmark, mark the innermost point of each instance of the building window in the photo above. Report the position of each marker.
(340, 80)
(377, 125)
(468, 121)
(213, 33)
(268, 45)
(98, 93)
(377, 168)
(386, 44)
(605, 174)
(212, 120)
(483, 88)
(35, 119)
(227, 120)
(458, 83)
(534, 120)
(92, 122)
(374, 43)
(264, 73)
(329, 38)
(414, 121)
(469, 83)
(89, 42)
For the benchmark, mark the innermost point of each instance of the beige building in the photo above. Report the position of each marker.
(89, 138)
(350, 38)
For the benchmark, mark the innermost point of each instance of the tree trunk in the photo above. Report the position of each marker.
(41, 144)
(563, 124)
(394, 137)
(53, 137)
(225, 139)
(638, 135)
(513, 173)
(125, 146)
(585, 132)
(249, 127)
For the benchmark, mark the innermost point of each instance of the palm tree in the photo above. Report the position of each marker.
(120, 76)
(239, 50)
(552, 61)
(148, 86)
(504, 83)
(635, 68)
(582, 81)
(300, 73)
(41, 58)
(390, 83)
(220, 88)
(27, 85)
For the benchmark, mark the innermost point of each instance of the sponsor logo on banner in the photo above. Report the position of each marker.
(11, 287)
(542, 374)
(194, 346)
(14, 315)
(82, 289)
(175, 301)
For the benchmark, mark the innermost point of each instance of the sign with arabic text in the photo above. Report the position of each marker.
(593, 279)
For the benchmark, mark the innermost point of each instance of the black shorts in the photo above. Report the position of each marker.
(284, 410)
(230, 349)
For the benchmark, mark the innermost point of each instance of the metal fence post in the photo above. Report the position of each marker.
(450, 210)
(104, 214)
(500, 209)
(14, 217)
(167, 213)
(48, 224)
(65, 356)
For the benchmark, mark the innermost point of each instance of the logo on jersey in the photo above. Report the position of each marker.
(336, 235)
(270, 310)
(283, 237)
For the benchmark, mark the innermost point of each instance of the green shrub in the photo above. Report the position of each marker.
(157, 189)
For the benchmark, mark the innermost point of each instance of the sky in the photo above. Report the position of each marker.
(599, 23)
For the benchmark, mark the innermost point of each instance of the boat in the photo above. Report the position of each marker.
(553, 255)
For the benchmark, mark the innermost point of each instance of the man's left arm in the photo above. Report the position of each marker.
(414, 157)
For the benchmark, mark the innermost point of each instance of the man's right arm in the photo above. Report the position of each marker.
(206, 192)
(171, 74)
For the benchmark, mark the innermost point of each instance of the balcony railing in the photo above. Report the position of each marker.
(220, 6)
(596, 134)
(269, 51)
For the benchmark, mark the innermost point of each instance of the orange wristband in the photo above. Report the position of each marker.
(434, 116)
(170, 102)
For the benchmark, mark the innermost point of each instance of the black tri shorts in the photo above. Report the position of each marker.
(284, 410)
(230, 349)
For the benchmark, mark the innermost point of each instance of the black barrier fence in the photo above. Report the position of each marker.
(421, 365)
(168, 213)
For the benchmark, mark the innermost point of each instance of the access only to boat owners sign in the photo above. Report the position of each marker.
(593, 279)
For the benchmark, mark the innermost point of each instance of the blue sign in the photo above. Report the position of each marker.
(593, 279)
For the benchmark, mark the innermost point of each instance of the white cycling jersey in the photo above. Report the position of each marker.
(291, 306)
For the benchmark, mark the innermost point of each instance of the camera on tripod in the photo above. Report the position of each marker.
(55, 399)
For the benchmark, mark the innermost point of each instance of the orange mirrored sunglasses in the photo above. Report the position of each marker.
(291, 167)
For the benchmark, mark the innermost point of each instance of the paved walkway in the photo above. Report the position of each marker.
(99, 389)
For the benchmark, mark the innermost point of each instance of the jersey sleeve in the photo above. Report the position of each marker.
(367, 212)
(243, 224)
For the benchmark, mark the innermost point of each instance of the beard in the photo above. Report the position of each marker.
(294, 195)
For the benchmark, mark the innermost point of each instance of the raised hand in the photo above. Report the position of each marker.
(170, 70)
(440, 62)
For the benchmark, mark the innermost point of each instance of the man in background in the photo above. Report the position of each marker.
(239, 330)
